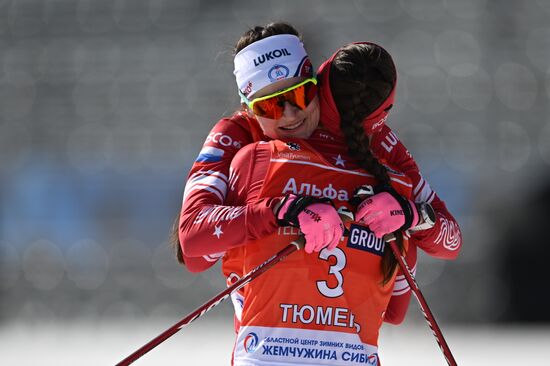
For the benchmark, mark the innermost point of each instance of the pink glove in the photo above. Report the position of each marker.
(319, 221)
(385, 213)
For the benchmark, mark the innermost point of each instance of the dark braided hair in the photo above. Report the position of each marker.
(252, 35)
(361, 78)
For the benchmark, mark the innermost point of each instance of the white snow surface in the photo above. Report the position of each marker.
(209, 342)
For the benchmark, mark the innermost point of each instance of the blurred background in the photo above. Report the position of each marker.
(104, 105)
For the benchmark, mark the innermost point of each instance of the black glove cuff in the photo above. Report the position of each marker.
(403, 202)
(358, 196)
(290, 218)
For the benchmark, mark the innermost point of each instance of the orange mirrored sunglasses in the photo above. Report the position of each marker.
(272, 105)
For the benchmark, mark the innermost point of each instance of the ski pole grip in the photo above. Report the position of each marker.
(299, 243)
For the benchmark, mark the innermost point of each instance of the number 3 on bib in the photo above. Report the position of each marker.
(336, 270)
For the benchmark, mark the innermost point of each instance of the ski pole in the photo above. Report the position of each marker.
(214, 301)
(366, 191)
(428, 315)
(345, 215)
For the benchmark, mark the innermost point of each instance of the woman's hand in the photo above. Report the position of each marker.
(386, 212)
(317, 219)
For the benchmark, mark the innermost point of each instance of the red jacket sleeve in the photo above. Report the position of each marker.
(206, 188)
(209, 224)
(444, 240)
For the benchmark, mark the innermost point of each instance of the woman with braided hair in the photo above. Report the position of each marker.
(363, 75)
(359, 75)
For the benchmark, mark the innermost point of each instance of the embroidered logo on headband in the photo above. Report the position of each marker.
(278, 72)
(248, 88)
(270, 56)
(269, 60)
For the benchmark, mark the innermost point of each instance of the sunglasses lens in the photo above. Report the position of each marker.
(268, 108)
(304, 95)
(298, 98)
(274, 107)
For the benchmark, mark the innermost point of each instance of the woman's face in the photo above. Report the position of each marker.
(295, 122)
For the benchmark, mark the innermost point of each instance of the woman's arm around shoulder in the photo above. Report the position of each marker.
(218, 226)
(444, 239)
(206, 185)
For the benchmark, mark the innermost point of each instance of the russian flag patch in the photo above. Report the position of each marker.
(209, 154)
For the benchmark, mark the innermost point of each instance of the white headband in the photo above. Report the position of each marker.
(269, 60)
